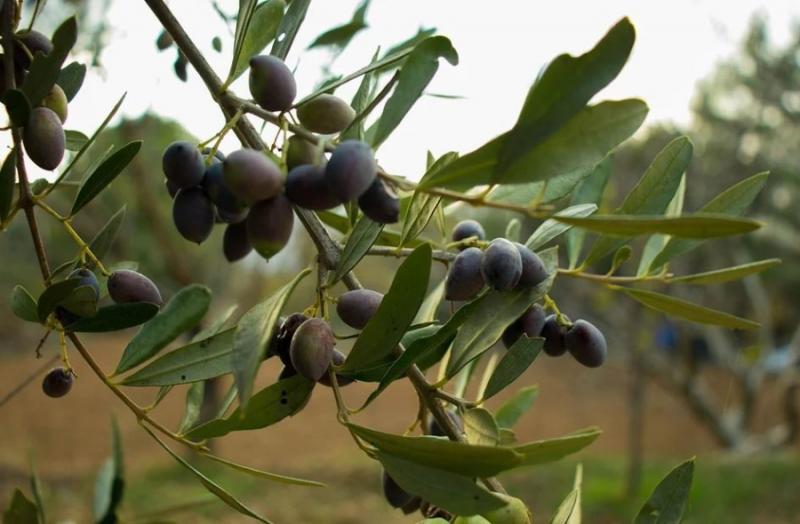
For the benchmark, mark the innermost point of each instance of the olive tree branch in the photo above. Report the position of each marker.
(328, 249)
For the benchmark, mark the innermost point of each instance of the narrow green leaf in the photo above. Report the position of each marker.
(374, 66)
(509, 413)
(549, 105)
(420, 211)
(269, 406)
(105, 173)
(589, 191)
(7, 177)
(668, 501)
(480, 427)
(687, 226)
(541, 192)
(23, 305)
(454, 493)
(551, 450)
(184, 311)
(45, 69)
(443, 454)
(102, 241)
(252, 334)
(513, 230)
(361, 238)
(568, 509)
(75, 139)
(652, 193)
(415, 74)
(290, 24)
(727, 274)
(734, 201)
(115, 317)
(38, 499)
(209, 484)
(70, 79)
(341, 35)
(54, 295)
(17, 107)
(109, 484)
(21, 510)
(396, 312)
(580, 144)
(408, 44)
(552, 228)
(82, 301)
(261, 30)
(497, 310)
(194, 402)
(514, 363)
(198, 361)
(386, 237)
(282, 479)
(686, 310)
(360, 103)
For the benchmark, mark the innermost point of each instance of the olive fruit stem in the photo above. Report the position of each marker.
(140, 413)
(62, 345)
(217, 138)
(82, 245)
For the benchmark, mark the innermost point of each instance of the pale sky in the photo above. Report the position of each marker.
(502, 45)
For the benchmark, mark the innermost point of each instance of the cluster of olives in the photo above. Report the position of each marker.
(43, 133)
(248, 191)
(506, 266)
(124, 286)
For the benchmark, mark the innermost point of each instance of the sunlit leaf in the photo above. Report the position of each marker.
(727, 274)
(551, 450)
(688, 226)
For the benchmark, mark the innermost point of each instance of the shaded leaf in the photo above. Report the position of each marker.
(23, 305)
(7, 177)
(269, 406)
(549, 105)
(509, 413)
(194, 402)
(341, 35)
(454, 493)
(105, 173)
(386, 236)
(590, 191)
(102, 241)
(396, 312)
(668, 501)
(287, 30)
(54, 295)
(21, 510)
(361, 238)
(17, 107)
(110, 482)
(580, 144)
(260, 31)
(415, 74)
(443, 454)
(184, 311)
(252, 335)
(514, 363)
(75, 139)
(686, 310)
(115, 317)
(70, 79)
(82, 301)
(45, 69)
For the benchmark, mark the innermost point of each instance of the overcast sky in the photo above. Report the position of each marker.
(502, 45)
